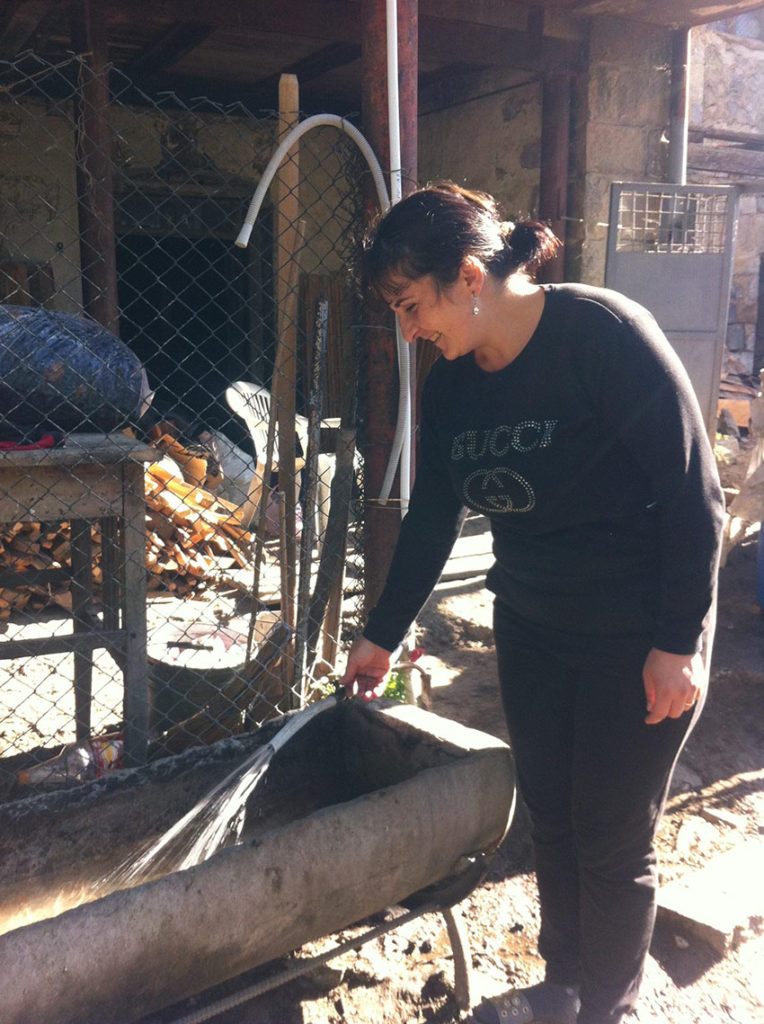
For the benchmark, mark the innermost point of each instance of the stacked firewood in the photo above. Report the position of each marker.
(194, 540)
(193, 536)
(28, 547)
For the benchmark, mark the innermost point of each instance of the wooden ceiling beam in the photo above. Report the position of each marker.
(168, 47)
(485, 45)
(257, 93)
(339, 21)
(332, 20)
(669, 13)
(728, 160)
(19, 23)
(328, 58)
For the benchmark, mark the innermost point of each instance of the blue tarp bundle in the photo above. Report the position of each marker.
(65, 373)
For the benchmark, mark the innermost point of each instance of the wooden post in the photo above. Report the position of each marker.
(82, 613)
(92, 141)
(287, 237)
(133, 545)
(310, 476)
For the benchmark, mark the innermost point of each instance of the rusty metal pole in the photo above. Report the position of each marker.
(92, 141)
(380, 388)
(553, 179)
(408, 85)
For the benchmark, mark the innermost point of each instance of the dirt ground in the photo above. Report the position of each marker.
(716, 806)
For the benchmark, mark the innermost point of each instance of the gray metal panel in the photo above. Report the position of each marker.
(697, 354)
(682, 292)
(670, 247)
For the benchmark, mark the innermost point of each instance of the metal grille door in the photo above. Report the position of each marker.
(670, 247)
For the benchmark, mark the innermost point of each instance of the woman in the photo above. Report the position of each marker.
(563, 415)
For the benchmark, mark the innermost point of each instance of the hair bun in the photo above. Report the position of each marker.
(533, 243)
(506, 227)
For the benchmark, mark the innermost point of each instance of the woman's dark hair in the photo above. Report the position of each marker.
(432, 230)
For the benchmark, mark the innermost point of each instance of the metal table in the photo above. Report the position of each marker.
(93, 478)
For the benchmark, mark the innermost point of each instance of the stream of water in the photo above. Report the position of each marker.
(216, 821)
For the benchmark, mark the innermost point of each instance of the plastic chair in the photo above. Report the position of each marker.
(252, 403)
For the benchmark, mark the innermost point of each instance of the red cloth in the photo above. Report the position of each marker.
(46, 441)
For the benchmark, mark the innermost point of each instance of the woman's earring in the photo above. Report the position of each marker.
(475, 306)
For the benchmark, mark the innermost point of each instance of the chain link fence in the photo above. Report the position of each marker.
(179, 493)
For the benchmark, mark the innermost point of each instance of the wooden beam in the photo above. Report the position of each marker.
(287, 238)
(168, 47)
(8, 14)
(748, 163)
(92, 142)
(752, 140)
(339, 21)
(498, 13)
(485, 45)
(669, 13)
(328, 58)
(449, 86)
(19, 22)
(332, 20)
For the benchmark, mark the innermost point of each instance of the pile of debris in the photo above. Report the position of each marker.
(738, 390)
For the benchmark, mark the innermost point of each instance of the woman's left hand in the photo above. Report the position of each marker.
(673, 683)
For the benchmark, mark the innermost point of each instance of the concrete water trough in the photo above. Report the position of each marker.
(363, 806)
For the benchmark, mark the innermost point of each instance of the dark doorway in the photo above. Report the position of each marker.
(186, 311)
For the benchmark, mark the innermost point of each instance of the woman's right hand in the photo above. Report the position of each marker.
(366, 668)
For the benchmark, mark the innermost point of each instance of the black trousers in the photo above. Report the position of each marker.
(594, 777)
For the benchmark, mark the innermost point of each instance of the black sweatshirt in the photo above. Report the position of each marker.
(589, 455)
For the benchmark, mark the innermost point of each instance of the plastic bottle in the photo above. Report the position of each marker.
(77, 762)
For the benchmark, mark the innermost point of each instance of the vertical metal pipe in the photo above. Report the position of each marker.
(679, 104)
(391, 41)
(408, 111)
(92, 141)
(555, 149)
(379, 388)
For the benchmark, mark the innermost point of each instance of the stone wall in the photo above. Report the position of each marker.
(726, 81)
(38, 198)
(491, 141)
(727, 85)
(620, 112)
(175, 173)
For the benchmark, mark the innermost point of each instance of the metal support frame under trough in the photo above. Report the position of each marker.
(456, 934)
(442, 897)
